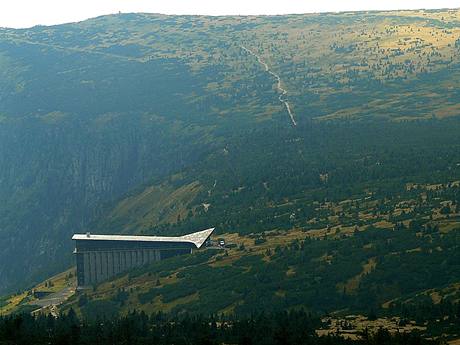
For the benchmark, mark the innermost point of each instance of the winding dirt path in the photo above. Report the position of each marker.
(283, 92)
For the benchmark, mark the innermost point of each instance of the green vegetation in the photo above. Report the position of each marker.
(138, 328)
(26, 300)
(154, 124)
(324, 275)
(342, 174)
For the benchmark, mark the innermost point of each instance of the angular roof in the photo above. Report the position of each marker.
(196, 238)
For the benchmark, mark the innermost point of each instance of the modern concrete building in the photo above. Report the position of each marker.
(100, 257)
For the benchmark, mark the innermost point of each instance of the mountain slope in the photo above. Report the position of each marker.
(373, 270)
(375, 229)
(170, 119)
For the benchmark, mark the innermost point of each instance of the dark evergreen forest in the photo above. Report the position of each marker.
(288, 328)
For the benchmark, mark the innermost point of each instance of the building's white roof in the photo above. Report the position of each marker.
(197, 238)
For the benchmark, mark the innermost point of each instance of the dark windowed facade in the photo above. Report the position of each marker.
(100, 257)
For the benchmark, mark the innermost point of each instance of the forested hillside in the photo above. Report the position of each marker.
(138, 123)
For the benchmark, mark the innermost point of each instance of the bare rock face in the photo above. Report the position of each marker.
(54, 180)
(78, 130)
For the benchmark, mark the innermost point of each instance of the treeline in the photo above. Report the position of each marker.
(296, 327)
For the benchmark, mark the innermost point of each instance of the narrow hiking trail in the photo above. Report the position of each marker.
(283, 92)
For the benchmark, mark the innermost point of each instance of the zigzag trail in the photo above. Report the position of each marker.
(283, 92)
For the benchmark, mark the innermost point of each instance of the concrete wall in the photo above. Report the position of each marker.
(97, 266)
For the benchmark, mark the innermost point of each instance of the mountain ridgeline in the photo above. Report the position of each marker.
(152, 124)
